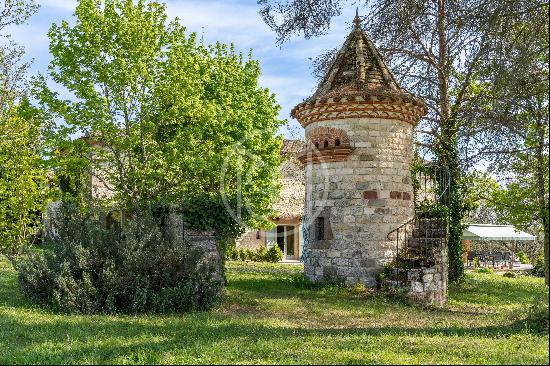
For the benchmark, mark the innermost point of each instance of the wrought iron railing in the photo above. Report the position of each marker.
(421, 236)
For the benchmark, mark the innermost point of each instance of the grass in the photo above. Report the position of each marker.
(269, 317)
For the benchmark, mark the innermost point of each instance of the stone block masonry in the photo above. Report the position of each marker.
(359, 202)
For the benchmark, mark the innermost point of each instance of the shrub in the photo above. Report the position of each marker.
(485, 270)
(261, 254)
(243, 255)
(385, 273)
(510, 274)
(249, 254)
(538, 267)
(132, 268)
(274, 254)
(232, 253)
(522, 257)
(535, 316)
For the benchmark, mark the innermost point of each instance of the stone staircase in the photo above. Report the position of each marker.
(419, 268)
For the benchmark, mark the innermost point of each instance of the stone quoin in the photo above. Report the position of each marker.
(359, 130)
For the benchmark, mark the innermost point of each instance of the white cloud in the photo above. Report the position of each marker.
(224, 21)
(66, 5)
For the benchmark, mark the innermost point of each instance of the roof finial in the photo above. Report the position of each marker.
(357, 20)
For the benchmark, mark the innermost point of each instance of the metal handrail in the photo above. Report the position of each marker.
(445, 177)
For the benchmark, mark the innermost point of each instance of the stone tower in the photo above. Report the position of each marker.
(358, 126)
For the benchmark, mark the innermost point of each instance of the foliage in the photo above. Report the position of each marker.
(22, 177)
(432, 210)
(510, 274)
(479, 187)
(164, 117)
(485, 270)
(522, 257)
(261, 254)
(134, 267)
(539, 266)
(513, 101)
(385, 273)
(274, 254)
(13, 68)
(23, 183)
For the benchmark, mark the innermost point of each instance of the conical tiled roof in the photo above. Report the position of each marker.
(358, 62)
(358, 73)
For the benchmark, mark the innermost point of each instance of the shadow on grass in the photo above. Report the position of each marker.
(47, 337)
(108, 339)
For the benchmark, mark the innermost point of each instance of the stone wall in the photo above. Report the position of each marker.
(360, 200)
(426, 285)
(205, 241)
(250, 240)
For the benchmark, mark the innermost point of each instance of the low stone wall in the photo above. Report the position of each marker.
(205, 241)
(427, 286)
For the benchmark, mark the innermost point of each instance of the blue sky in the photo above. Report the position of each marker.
(286, 70)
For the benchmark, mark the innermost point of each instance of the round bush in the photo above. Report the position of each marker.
(274, 254)
(132, 268)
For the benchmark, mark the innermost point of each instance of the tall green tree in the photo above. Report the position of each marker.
(511, 108)
(436, 49)
(23, 182)
(164, 118)
(23, 185)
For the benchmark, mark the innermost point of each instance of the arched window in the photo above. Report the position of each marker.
(326, 143)
(317, 144)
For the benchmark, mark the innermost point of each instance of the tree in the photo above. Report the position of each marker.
(161, 115)
(436, 49)
(23, 185)
(511, 107)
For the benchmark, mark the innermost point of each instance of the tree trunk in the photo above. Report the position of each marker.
(447, 153)
(541, 191)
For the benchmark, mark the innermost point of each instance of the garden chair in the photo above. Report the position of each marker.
(497, 259)
(483, 258)
(506, 257)
(470, 259)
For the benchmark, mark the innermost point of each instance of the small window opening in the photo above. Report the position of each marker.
(337, 142)
(326, 143)
(317, 144)
(258, 235)
(320, 228)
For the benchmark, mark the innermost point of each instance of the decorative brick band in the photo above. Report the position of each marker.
(325, 144)
(388, 108)
(396, 195)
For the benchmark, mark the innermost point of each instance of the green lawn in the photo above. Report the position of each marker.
(268, 317)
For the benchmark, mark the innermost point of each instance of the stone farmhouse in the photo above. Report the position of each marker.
(287, 233)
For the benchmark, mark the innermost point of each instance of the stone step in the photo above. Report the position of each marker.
(433, 224)
(429, 233)
(424, 242)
